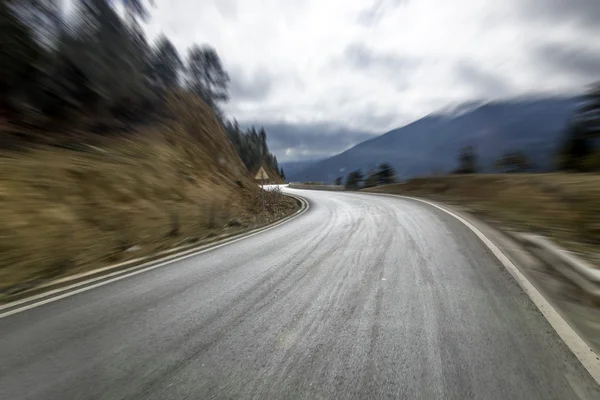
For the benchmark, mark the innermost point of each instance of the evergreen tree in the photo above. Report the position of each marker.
(206, 75)
(467, 161)
(576, 148)
(251, 146)
(386, 174)
(580, 150)
(20, 54)
(372, 179)
(354, 180)
(589, 115)
(97, 73)
(165, 63)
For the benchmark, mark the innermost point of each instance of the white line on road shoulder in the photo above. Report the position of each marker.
(582, 351)
(138, 268)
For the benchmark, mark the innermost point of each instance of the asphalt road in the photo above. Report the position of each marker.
(361, 297)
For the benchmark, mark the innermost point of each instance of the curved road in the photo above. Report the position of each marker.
(361, 297)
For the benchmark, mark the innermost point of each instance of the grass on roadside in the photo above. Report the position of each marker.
(65, 211)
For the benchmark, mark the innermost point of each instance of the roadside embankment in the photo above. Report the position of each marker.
(65, 211)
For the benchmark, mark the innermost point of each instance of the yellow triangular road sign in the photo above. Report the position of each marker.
(261, 174)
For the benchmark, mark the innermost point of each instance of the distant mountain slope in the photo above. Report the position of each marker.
(432, 143)
(291, 168)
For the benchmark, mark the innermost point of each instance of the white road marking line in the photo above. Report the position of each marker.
(137, 270)
(582, 351)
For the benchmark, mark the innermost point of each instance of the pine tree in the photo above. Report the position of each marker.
(386, 174)
(165, 63)
(354, 180)
(467, 161)
(20, 54)
(206, 75)
(372, 179)
(576, 148)
(579, 150)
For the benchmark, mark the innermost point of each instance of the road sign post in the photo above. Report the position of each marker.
(262, 175)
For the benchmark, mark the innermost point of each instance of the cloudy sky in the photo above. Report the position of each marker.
(322, 75)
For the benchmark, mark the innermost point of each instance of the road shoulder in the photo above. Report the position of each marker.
(71, 285)
(576, 321)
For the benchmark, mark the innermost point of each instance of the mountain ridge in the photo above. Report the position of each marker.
(431, 144)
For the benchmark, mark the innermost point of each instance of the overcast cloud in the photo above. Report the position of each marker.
(370, 66)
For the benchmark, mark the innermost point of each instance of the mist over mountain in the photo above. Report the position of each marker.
(431, 144)
(291, 168)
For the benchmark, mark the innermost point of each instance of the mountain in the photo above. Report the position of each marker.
(431, 144)
(293, 167)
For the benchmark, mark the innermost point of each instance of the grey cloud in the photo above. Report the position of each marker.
(585, 12)
(487, 83)
(576, 62)
(309, 141)
(227, 8)
(361, 57)
(255, 86)
(377, 119)
(394, 66)
(372, 15)
(380, 117)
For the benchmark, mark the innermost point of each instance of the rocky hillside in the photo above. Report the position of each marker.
(67, 210)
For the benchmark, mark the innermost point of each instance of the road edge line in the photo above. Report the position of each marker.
(104, 279)
(584, 353)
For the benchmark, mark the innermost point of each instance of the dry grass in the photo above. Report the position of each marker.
(66, 211)
(565, 207)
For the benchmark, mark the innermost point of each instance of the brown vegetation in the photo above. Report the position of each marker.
(64, 211)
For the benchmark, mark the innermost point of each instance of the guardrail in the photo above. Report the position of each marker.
(296, 185)
(564, 262)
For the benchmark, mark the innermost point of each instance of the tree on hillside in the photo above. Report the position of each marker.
(95, 72)
(44, 17)
(93, 65)
(136, 9)
(100, 55)
(386, 174)
(589, 116)
(281, 173)
(383, 175)
(575, 149)
(467, 161)
(165, 63)
(251, 146)
(354, 180)
(262, 134)
(339, 180)
(513, 162)
(20, 53)
(206, 75)
(372, 178)
(580, 151)
(108, 51)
